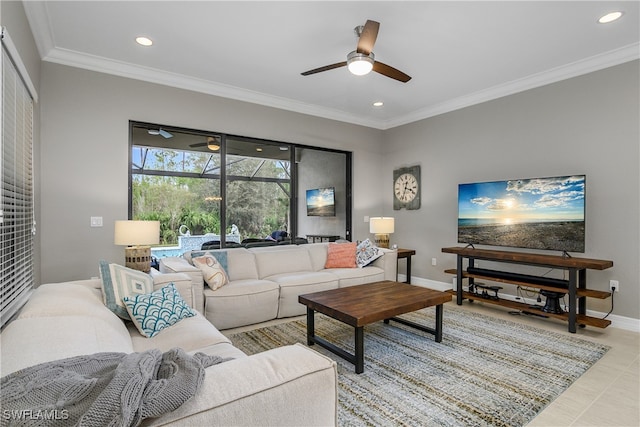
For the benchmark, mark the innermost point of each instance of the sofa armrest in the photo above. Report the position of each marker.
(181, 265)
(191, 292)
(389, 263)
(287, 386)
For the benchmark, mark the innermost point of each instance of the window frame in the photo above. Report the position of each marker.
(294, 173)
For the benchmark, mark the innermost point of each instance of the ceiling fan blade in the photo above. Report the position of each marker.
(389, 71)
(368, 37)
(165, 134)
(325, 68)
(199, 144)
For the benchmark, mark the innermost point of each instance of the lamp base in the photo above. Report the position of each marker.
(382, 240)
(138, 258)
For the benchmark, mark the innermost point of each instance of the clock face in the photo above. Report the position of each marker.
(406, 187)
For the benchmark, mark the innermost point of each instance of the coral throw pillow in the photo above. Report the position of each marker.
(341, 255)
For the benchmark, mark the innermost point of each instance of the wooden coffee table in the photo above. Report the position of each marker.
(361, 305)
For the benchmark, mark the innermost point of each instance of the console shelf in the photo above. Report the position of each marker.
(575, 286)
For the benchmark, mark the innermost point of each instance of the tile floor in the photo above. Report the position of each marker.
(607, 395)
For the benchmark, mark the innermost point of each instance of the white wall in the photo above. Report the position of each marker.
(85, 151)
(587, 124)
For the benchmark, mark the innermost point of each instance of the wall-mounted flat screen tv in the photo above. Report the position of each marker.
(537, 213)
(321, 202)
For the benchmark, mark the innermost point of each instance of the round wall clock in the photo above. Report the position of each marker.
(406, 188)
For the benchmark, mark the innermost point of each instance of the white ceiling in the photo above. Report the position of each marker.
(458, 53)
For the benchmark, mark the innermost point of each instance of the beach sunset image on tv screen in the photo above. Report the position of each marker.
(321, 202)
(538, 213)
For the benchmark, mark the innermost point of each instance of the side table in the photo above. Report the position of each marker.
(406, 254)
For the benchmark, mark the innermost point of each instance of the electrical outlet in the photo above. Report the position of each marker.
(614, 284)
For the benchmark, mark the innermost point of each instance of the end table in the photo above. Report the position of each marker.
(406, 254)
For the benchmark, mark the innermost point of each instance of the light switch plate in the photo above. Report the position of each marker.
(96, 221)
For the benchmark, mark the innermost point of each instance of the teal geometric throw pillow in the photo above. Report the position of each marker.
(119, 282)
(160, 309)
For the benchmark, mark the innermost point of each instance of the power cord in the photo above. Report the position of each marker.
(613, 291)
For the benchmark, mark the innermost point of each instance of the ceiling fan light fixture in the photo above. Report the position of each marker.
(212, 145)
(360, 64)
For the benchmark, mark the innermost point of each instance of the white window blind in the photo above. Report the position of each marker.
(17, 225)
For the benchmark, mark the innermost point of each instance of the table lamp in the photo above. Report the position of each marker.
(137, 236)
(381, 227)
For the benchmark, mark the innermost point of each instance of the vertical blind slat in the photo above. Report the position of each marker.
(16, 192)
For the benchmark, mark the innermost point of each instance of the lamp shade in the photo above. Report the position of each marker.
(381, 225)
(136, 233)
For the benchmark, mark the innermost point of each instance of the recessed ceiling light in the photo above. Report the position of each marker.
(259, 149)
(144, 41)
(378, 104)
(610, 17)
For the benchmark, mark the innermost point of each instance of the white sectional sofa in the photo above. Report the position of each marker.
(264, 282)
(290, 385)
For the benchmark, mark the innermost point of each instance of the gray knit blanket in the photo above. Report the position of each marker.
(103, 389)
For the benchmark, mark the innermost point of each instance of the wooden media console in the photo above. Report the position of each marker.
(575, 286)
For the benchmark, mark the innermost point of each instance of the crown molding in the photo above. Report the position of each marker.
(38, 17)
(152, 75)
(575, 69)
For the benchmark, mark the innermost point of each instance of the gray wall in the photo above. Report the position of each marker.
(85, 144)
(322, 169)
(587, 124)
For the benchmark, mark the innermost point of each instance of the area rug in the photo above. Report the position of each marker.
(485, 372)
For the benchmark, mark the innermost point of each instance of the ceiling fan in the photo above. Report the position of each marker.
(161, 132)
(362, 60)
(212, 143)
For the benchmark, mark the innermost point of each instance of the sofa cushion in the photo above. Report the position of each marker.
(157, 310)
(192, 334)
(318, 254)
(294, 284)
(366, 253)
(341, 255)
(119, 282)
(32, 340)
(242, 302)
(358, 276)
(213, 273)
(285, 259)
(69, 299)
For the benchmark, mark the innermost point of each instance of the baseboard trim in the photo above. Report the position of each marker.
(620, 322)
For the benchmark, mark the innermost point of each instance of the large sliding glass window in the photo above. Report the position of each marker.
(222, 190)
(258, 187)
